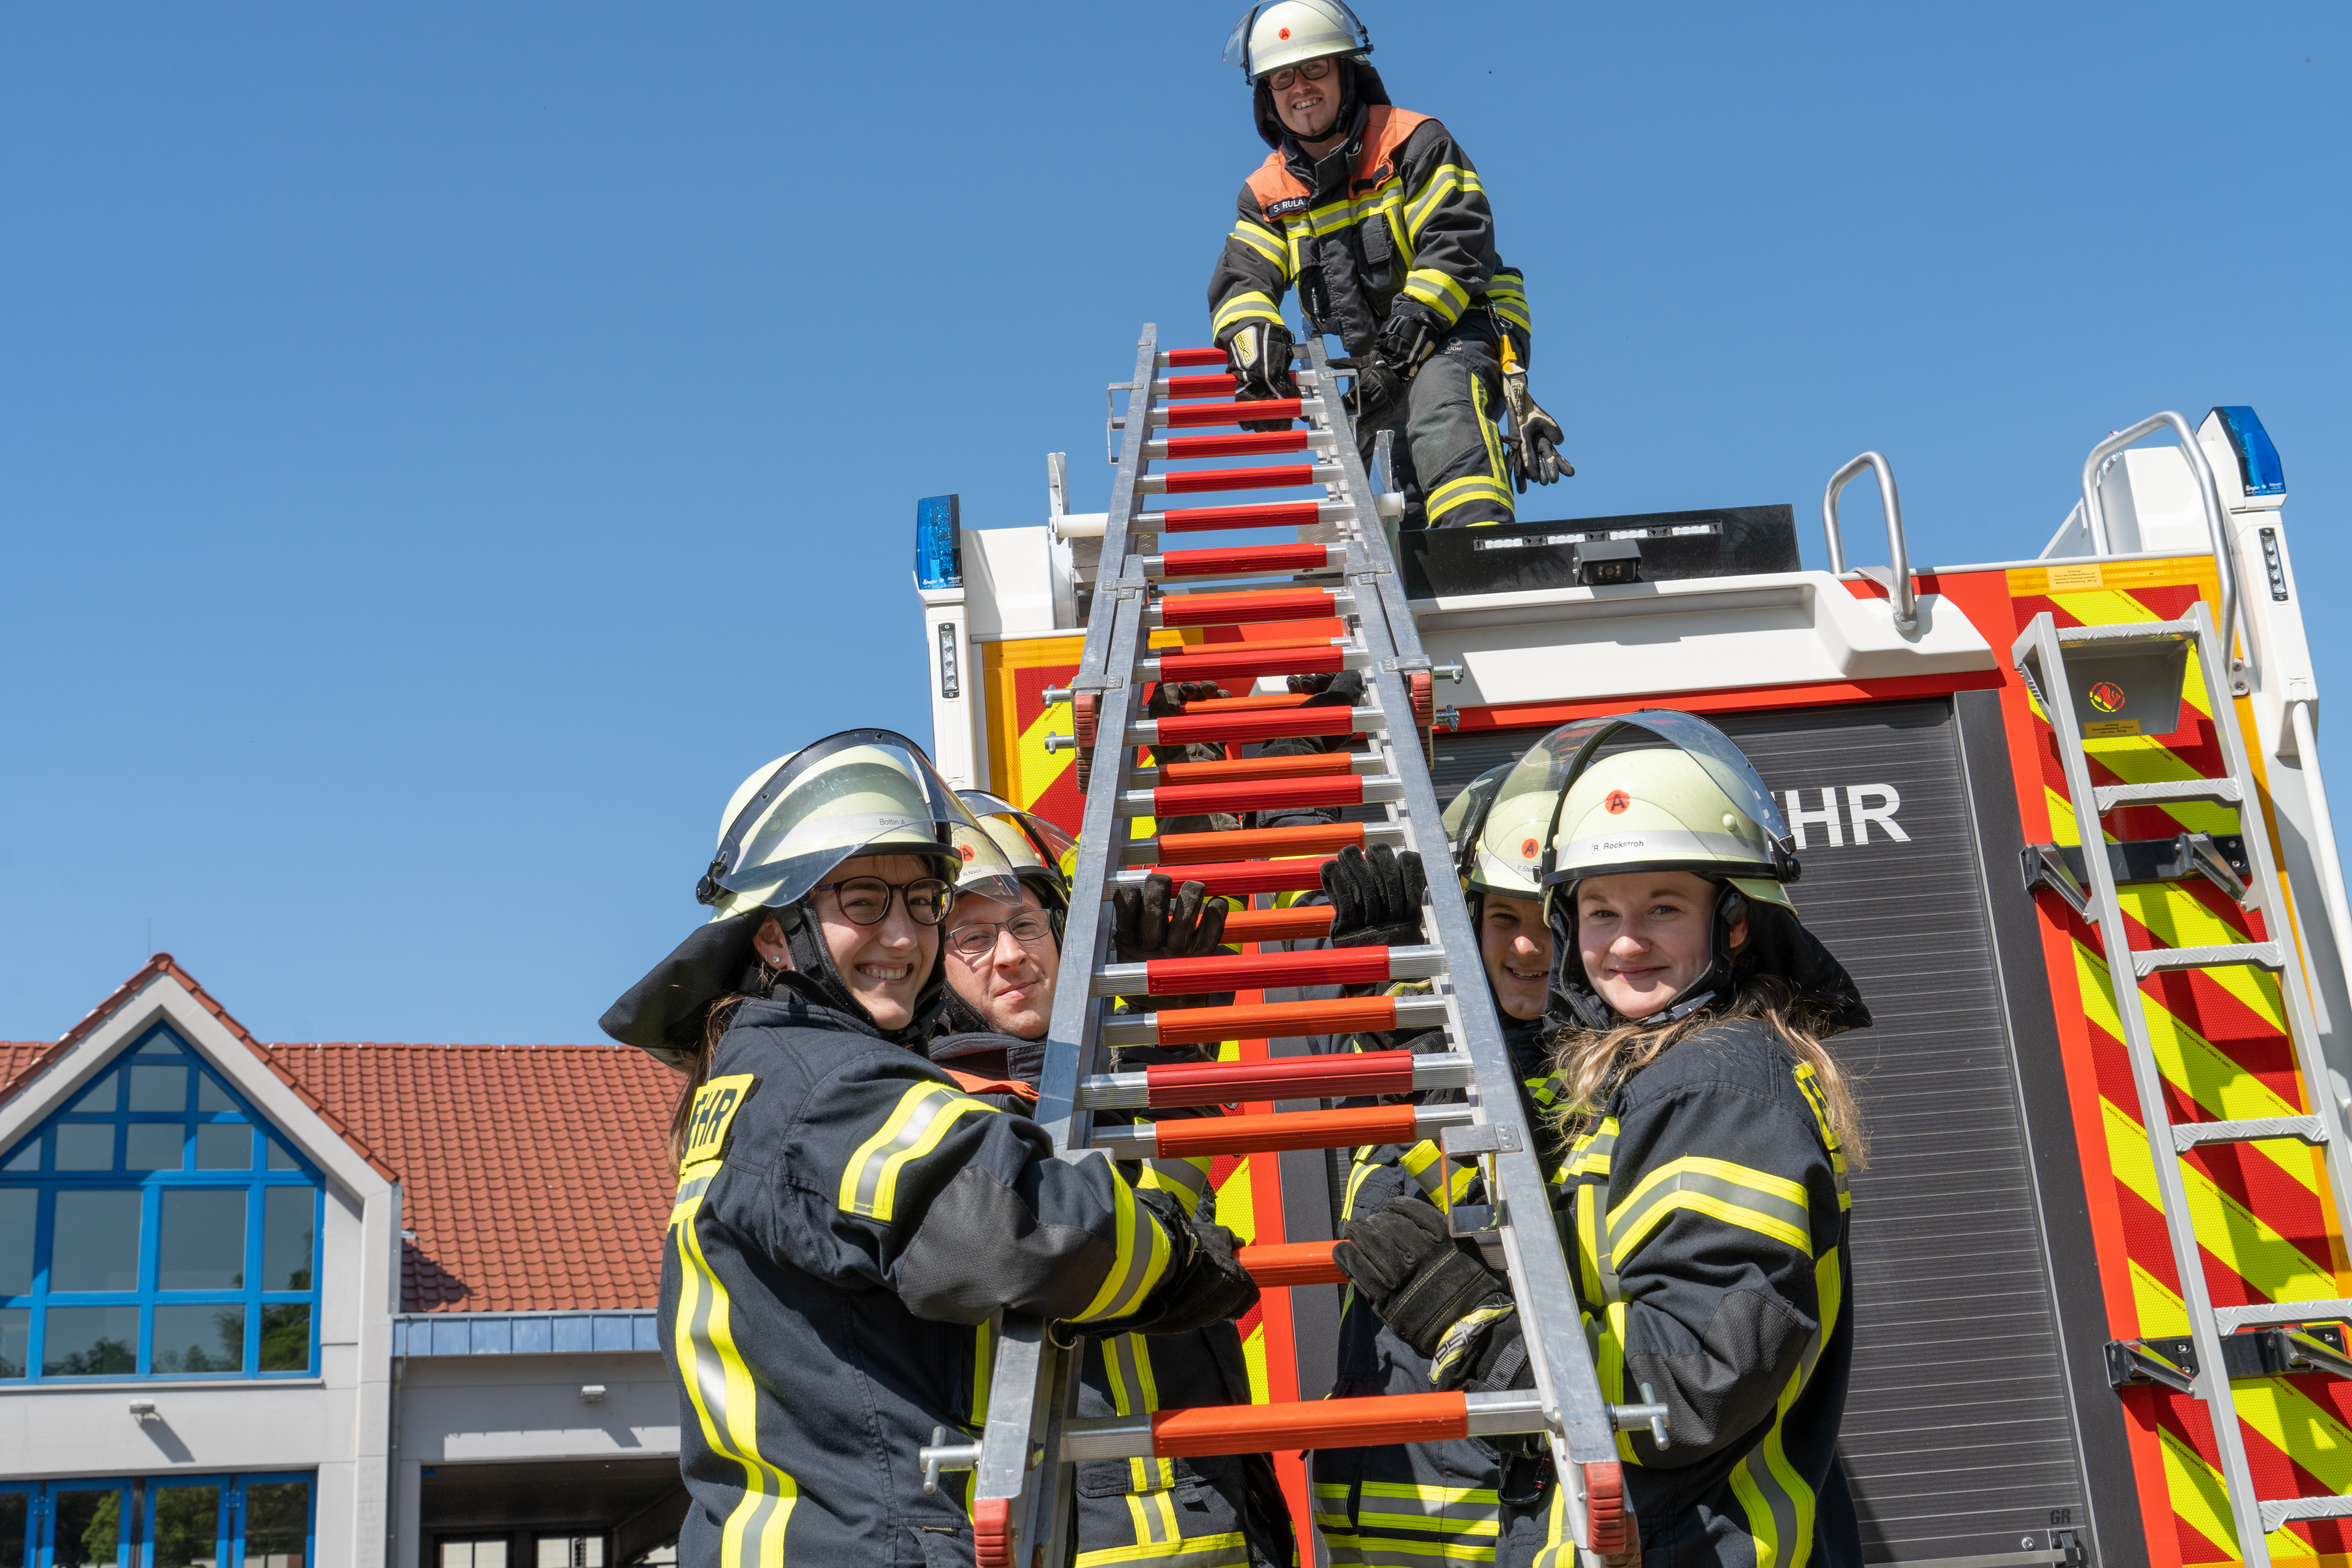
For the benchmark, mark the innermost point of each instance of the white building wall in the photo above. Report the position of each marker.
(504, 1408)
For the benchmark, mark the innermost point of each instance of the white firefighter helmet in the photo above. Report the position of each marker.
(1038, 851)
(861, 792)
(1693, 804)
(1508, 855)
(1271, 37)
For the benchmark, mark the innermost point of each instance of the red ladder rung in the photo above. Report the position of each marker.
(1245, 558)
(1274, 1020)
(1338, 1076)
(1264, 794)
(1246, 663)
(1185, 414)
(1233, 770)
(1181, 358)
(1243, 444)
(1279, 1263)
(1274, 477)
(1300, 923)
(1254, 604)
(1275, 724)
(1202, 386)
(1267, 971)
(1255, 702)
(1320, 838)
(1206, 1429)
(1188, 1137)
(1254, 514)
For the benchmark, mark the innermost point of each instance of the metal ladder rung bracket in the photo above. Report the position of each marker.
(2110, 797)
(2287, 1510)
(2155, 961)
(2188, 1135)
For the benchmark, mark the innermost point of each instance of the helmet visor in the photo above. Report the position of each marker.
(1237, 42)
(1713, 750)
(862, 791)
(1055, 848)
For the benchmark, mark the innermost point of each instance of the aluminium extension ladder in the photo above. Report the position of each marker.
(2215, 1350)
(1021, 1509)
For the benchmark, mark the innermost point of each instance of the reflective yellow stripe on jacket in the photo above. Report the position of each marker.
(717, 1382)
(1380, 1523)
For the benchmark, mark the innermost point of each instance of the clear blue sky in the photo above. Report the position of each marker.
(444, 448)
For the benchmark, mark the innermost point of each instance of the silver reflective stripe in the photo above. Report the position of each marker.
(1738, 1195)
(1138, 1256)
(1185, 1175)
(937, 1098)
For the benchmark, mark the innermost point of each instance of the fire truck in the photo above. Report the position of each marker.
(2064, 818)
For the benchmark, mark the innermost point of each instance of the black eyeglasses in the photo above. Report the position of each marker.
(865, 901)
(1310, 70)
(1029, 928)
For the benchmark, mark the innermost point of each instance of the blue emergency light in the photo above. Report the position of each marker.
(2258, 460)
(939, 543)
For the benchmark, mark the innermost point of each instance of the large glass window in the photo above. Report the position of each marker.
(165, 1522)
(157, 1228)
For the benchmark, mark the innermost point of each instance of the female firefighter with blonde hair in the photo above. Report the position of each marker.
(847, 1218)
(1705, 1191)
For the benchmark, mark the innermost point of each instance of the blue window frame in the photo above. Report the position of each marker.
(158, 1226)
(268, 1521)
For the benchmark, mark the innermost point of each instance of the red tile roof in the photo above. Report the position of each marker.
(534, 1177)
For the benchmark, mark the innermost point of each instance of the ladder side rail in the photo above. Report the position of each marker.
(2040, 643)
(1549, 1313)
(1112, 566)
(1034, 1385)
(2280, 926)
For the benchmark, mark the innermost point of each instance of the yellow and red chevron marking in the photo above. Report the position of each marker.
(2265, 1228)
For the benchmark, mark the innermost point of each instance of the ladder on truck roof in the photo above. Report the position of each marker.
(2204, 1365)
(1033, 1438)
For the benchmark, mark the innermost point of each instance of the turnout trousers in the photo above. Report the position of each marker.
(1448, 453)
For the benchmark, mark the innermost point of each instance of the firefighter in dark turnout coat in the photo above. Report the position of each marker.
(1378, 217)
(847, 1217)
(1705, 1191)
(1003, 962)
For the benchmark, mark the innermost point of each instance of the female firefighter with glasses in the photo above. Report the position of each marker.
(1003, 962)
(847, 1218)
(1704, 1192)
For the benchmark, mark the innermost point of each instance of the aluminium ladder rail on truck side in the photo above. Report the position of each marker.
(1033, 1438)
(2016, 1257)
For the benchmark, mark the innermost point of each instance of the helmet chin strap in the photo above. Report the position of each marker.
(1719, 975)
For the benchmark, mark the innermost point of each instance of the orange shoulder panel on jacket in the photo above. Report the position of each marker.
(1280, 193)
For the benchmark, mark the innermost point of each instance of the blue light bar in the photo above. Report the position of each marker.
(938, 546)
(2258, 460)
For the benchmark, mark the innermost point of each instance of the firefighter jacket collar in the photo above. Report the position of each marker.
(987, 1053)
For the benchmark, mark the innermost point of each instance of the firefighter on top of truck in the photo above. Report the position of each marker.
(1705, 1186)
(1002, 962)
(1376, 215)
(847, 1217)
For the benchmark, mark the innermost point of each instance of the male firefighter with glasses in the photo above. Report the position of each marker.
(1376, 215)
(849, 1217)
(1004, 958)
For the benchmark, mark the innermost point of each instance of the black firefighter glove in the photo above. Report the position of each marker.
(1375, 896)
(1534, 452)
(1345, 689)
(1418, 1279)
(1160, 920)
(1207, 1283)
(1258, 355)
